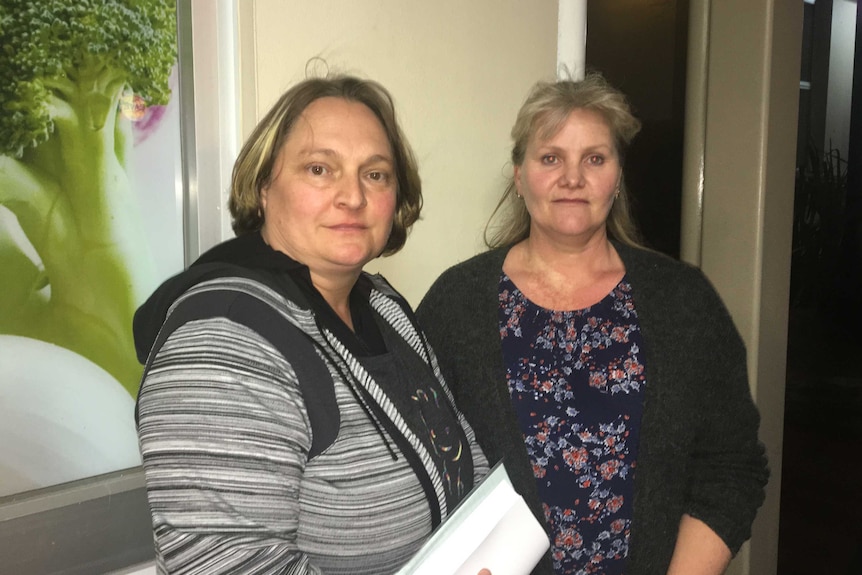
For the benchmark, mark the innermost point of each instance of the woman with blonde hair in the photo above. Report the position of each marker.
(608, 377)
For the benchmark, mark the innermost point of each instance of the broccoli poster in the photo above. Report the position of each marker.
(90, 222)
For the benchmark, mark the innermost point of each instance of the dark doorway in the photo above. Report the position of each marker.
(821, 490)
(657, 33)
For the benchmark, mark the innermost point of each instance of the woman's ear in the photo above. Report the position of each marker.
(263, 195)
(516, 178)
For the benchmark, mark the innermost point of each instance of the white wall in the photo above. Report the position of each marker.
(840, 91)
(458, 71)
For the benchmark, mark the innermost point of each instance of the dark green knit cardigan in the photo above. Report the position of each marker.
(699, 452)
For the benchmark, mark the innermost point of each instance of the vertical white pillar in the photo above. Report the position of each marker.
(694, 150)
(571, 39)
(210, 132)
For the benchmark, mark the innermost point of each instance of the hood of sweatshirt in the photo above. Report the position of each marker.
(245, 256)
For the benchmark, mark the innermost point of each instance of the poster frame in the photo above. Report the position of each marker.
(101, 524)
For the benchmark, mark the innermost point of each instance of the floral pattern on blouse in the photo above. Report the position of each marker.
(577, 381)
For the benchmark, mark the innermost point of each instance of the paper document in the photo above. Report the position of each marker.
(491, 529)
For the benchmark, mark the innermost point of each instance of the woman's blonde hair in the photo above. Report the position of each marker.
(542, 115)
(253, 168)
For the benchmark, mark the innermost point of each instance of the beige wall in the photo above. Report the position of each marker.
(750, 148)
(458, 71)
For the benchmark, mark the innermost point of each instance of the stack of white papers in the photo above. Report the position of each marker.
(491, 529)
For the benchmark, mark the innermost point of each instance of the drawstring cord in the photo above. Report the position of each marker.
(353, 385)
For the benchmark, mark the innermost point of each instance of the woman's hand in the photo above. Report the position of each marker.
(484, 572)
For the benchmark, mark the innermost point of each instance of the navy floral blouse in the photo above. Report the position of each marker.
(577, 381)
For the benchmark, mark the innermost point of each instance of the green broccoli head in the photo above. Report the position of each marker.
(51, 48)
